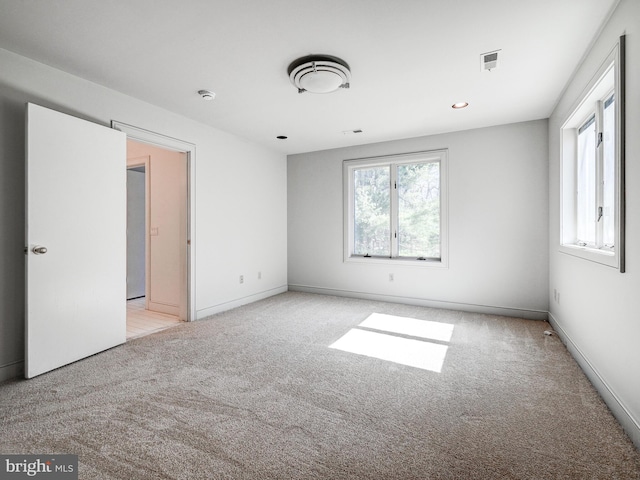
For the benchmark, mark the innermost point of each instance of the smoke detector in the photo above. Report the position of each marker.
(489, 61)
(206, 94)
(319, 74)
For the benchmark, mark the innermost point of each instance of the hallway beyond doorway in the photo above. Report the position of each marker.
(141, 322)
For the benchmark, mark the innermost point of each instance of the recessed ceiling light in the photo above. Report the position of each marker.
(281, 137)
(460, 105)
(206, 94)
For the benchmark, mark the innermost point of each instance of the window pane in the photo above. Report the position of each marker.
(608, 172)
(586, 184)
(419, 210)
(372, 220)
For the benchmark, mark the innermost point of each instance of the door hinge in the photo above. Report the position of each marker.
(599, 139)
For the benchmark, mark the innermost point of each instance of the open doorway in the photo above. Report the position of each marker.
(136, 232)
(157, 238)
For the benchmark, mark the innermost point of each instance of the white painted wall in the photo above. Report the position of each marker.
(599, 308)
(136, 251)
(498, 226)
(240, 195)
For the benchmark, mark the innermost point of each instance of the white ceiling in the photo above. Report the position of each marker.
(410, 60)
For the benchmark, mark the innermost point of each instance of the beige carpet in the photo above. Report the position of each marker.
(256, 393)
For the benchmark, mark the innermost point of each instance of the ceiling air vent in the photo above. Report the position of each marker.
(489, 61)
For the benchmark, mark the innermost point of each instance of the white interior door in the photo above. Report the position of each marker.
(76, 210)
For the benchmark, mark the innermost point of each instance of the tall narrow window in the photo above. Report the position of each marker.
(586, 183)
(371, 214)
(418, 190)
(593, 169)
(608, 173)
(395, 208)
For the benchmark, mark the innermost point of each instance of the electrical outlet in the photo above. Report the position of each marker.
(391, 277)
(241, 278)
(259, 275)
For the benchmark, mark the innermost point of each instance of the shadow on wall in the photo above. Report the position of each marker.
(12, 220)
(12, 215)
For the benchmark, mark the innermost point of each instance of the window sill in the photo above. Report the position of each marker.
(429, 263)
(603, 257)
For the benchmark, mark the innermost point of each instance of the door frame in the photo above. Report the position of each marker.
(144, 164)
(169, 143)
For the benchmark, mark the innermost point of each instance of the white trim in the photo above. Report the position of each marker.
(442, 157)
(529, 314)
(598, 88)
(147, 240)
(163, 141)
(630, 425)
(604, 257)
(239, 302)
(401, 262)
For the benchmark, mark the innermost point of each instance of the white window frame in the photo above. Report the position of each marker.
(608, 79)
(349, 166)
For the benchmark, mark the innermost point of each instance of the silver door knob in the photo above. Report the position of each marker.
(38, 250)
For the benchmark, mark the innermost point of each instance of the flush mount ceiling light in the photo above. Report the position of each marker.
(319, 74)
(206, 94)
(459, 105)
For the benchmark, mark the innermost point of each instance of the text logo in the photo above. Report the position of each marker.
(50, 467)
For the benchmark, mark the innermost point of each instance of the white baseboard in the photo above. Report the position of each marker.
(630, 425)
(12, 370)
(221, 307)
(465, 307)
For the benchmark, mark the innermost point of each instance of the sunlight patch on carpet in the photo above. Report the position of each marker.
(405, 351)
(409, 326)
